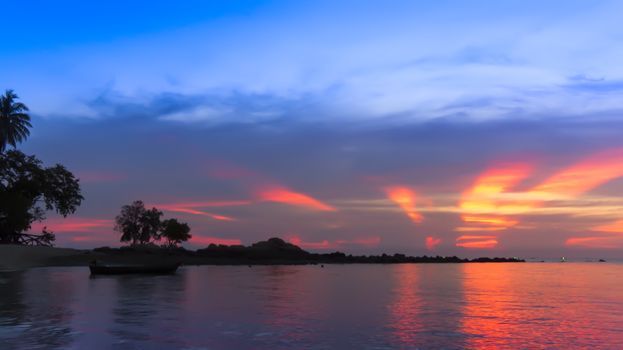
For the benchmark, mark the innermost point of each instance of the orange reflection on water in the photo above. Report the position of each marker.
(406, 307)
(489, 303)
(540, 305)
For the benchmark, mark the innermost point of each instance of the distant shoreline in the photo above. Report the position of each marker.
(271, 252)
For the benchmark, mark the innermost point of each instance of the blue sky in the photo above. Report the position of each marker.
(369, 95)
(413, 60)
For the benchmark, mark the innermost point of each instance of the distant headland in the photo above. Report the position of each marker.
(274, 251)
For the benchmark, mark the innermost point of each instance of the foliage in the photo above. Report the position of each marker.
(175, 232)
(28, 190)
(14, 120)
(137, 224)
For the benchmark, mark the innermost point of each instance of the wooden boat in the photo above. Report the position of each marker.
(100, 269)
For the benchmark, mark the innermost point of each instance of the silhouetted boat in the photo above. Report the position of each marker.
(99, 269)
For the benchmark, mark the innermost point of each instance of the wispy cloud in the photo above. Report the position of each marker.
(322, 60)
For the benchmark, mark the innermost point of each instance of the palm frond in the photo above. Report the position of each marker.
(14, 121)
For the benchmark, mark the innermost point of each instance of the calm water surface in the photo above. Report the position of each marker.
(454, 306)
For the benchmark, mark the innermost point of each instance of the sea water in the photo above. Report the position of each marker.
(420, 306)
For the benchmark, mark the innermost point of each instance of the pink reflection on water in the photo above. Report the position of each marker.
(505, 305)
(405, 310)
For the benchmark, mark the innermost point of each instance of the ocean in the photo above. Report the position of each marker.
(403, 306)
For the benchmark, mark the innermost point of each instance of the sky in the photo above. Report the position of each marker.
(447, 127)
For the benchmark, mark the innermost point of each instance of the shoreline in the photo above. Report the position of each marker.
(271, 252)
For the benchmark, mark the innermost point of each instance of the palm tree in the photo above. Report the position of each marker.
(14, 120)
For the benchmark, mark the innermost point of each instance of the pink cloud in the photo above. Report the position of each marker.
(604, 242)
(193, 207)
(312, 245)
(432, 242)
(70, 224)
(283, 195)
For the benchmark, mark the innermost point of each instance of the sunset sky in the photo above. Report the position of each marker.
(420, 127)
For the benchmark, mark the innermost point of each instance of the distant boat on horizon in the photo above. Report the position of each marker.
(562, 259)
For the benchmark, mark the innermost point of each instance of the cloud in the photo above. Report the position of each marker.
(74, 225)
(192, 207)
(477, 242)
(286, 196)
(326, 60)
(225, 169)
(432, 242)
(600, 242)
(405, 198)
(584, 175)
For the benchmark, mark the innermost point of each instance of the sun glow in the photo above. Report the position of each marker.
(492, 203)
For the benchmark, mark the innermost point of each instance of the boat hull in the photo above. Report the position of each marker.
(133, 269)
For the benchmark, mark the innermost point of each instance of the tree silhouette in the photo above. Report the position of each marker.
(14, 120)
(175, 232)
(137, 224)
(27, 190)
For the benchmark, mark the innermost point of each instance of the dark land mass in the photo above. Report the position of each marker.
(274, 251)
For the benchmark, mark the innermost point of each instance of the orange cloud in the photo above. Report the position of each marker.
(482, 195)
(432, 242)
(477, 241)
(207, 240)
(595, 242)
(490, 220)
(283, 195)
(487, 204)
(483, 200)
(585, 175)
(613, 227)
(480, 228)
(405, 198)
